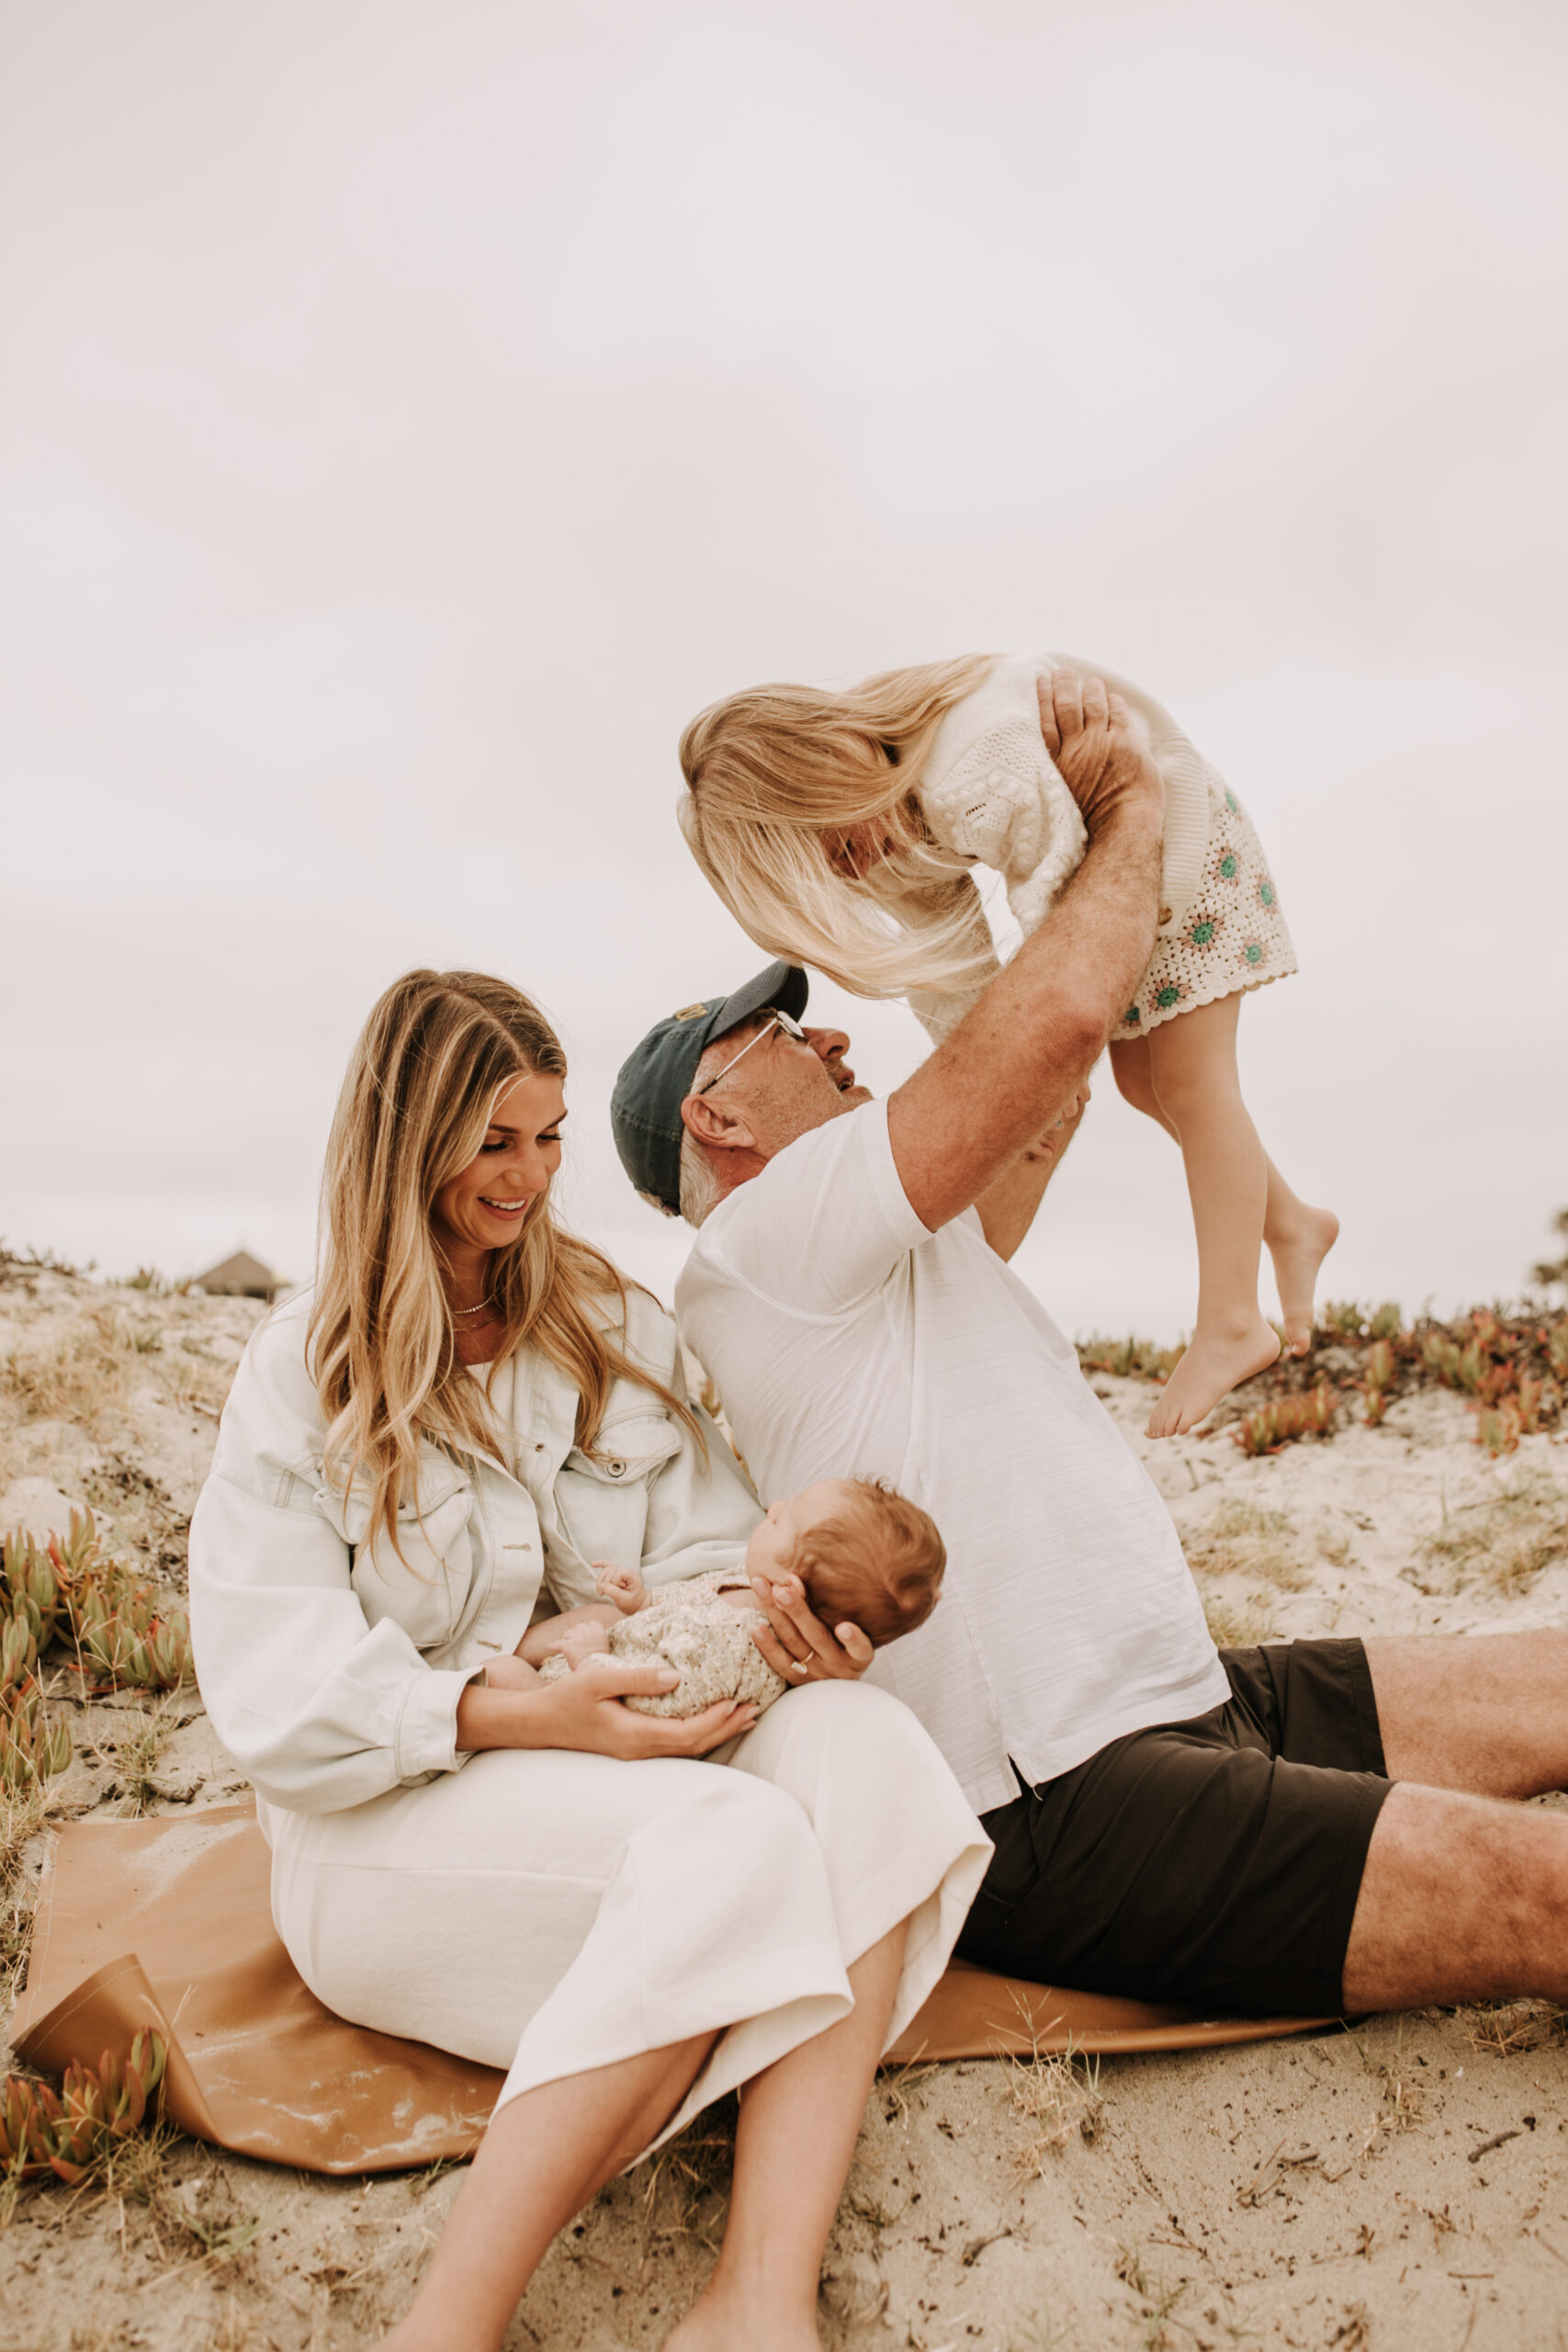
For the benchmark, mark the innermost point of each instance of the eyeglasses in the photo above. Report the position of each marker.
(782, 1020)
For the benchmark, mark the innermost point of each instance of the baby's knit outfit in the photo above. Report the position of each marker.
(687, 1626)
(990, 790)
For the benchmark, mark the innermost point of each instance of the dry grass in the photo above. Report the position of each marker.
(1058, 2095)
(687, 2190)
(1507, 2029)
(1157, 2300)
(1400, 2091)
(1243, 1539)
(1239, 1626)
(23, 1811)
(77, 1370)
(1504, 1543)
(75, 1373)
(136, 1748)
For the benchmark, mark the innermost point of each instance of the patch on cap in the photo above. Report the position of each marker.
(688, 1012)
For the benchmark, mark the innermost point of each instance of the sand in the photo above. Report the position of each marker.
(1403, 2184)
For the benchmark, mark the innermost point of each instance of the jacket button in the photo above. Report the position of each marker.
(616, 1469)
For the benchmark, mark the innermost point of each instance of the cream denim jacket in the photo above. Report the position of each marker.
(332, 1670)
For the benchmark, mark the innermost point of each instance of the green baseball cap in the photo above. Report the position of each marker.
(656, 1077)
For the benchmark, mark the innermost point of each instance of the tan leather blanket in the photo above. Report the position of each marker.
(167, 1923)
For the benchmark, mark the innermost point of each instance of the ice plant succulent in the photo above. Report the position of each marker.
(29, 1583)
(1274, 1425)
(42, 2132)
(18, 1651)
(32, 1743)
(120, 1630)
(1378, 1379)
(122, 1633)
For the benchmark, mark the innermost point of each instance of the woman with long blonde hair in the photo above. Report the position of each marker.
(839, 827)
(424, 1458)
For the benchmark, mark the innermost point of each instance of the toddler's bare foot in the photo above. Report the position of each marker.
(1297, 1253)
(1210, 1369)
(723, 2320)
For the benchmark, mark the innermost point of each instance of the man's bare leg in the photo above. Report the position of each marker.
(1463, 1898)
(1483, 1712)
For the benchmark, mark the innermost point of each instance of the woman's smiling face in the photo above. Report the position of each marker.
(482, 1207)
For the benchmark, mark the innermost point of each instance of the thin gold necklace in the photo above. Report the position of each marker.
(458, 1312)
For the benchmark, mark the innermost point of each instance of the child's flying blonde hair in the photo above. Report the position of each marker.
(773, 773)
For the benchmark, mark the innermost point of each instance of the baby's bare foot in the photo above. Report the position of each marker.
(1210, 1369)
(1297, 1253)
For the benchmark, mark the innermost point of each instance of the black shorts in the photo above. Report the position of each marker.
(1214, 1862)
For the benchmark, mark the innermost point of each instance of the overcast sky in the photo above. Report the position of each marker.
(410, 415)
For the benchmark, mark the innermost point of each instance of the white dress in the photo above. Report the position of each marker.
(544, 1911)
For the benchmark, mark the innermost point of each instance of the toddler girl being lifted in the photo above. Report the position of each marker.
(840, 829)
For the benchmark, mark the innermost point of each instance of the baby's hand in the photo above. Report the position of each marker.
(624, 1587)
(580, 1642)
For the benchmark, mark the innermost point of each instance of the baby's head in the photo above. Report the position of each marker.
(861, 1551)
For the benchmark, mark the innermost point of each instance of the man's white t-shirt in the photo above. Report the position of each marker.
(846, 1341)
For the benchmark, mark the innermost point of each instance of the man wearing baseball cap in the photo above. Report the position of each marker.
(1171, 1823)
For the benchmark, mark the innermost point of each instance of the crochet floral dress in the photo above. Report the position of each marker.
(1231, 937)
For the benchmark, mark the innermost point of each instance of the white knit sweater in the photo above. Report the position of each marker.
(990, 790)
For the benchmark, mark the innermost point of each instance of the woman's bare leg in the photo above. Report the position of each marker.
(1192, 1063)
(541, 2160)
(1297, 1236)
(799, 2121)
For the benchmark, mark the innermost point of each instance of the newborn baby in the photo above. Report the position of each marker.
(858, 1549)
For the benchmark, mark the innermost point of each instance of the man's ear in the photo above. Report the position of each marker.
(709, 1123)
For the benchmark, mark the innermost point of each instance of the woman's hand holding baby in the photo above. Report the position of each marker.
(583, 1711)
(797, 1644)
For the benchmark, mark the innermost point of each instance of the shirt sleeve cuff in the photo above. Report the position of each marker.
(427, 1726)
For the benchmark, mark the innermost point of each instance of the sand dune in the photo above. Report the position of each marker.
(1403, 2184)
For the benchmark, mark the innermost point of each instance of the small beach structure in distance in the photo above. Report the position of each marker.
(241, 1276)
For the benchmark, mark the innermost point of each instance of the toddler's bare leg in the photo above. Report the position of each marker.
(1192, 1062)
(1298, 1237)
(1135, 1082)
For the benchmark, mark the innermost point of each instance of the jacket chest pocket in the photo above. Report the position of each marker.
(422, 1581)
(601, 1498)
